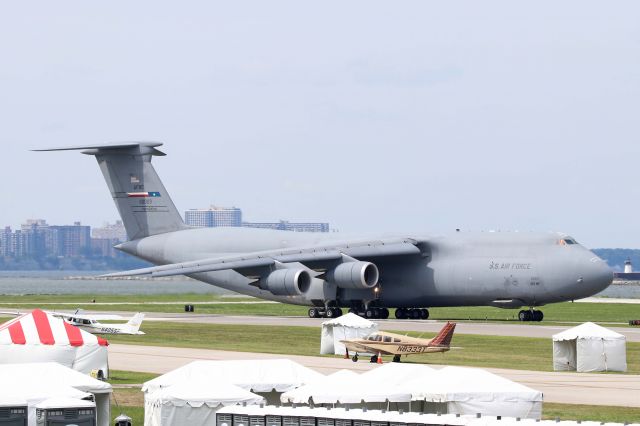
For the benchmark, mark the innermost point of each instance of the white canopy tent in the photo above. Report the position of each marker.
(472, 390)
(415, 387)
(349, 326)
(344, 387)
(397, 374)
(589, 347)
(304, 394)
(266, 377)
(41, 337)
(193, 403)
(36, 382)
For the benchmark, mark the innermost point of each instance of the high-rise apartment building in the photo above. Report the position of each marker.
(285, 225)
(70, 240)
(110, 231)
(232, 216)
(213, 217)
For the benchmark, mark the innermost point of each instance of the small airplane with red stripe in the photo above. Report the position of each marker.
(385, 343)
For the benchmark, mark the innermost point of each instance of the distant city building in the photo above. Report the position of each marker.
(232, 216)
(284, 225)
(6, 237)
(104, 247)
(70, 240)
(214, 217)
(37, 239)
(110, 231)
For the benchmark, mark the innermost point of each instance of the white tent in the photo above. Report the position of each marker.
(193, 403)
(305, 394)
(589, 347)
(473, 390)
(397, 374)
(344, 387)
(41, 337)
(266, 377)
(36, 382)
(349, 326)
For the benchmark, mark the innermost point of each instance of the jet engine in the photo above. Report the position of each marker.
(355, 275)
(287, 282)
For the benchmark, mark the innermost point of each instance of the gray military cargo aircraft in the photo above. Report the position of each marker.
(327, 271)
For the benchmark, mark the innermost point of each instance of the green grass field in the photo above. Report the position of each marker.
(607, 313)
(524, 353)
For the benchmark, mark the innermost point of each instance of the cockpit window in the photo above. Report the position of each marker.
(372, 338)
(567, 241)
(387, 339)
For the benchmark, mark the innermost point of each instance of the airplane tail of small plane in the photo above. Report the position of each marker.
(135, 322)
(443, 339)
(142, 200)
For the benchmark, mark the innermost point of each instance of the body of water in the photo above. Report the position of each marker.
(58, 282)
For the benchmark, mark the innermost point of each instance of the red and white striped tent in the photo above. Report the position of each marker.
(41, 337)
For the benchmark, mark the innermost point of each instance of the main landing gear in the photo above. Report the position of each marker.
(325, 313)
(530, 315)
(372, 313)
(405, 313)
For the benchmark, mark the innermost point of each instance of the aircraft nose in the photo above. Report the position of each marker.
(597, 275)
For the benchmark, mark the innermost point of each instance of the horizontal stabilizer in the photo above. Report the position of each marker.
(123, 146)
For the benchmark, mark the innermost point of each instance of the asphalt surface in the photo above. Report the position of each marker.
(561, 387)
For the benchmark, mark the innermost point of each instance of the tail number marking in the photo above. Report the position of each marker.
(411, 349)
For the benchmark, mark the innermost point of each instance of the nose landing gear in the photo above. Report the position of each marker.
(530, 315)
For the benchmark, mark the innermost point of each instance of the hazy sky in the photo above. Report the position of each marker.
(374, 116)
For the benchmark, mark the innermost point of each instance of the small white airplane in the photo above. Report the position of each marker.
(91, 322)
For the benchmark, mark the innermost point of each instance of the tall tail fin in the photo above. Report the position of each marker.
(142, 201)
(135, 322)
(443, 338)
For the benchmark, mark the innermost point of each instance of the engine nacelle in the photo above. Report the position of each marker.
(287, 282)
(356, 275)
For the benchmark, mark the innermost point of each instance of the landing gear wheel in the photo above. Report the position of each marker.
(424, 314)
(530, 315)
(523, 315)
(370, 313)
(338, 312)
(355, 358)
(415, 314)
(330, 313)
(401, 313)
(313, 313)
(353, 311)
(396, 358)
(384, 313)
(374, 359)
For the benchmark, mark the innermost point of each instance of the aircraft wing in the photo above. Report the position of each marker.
(96, 317)
(318, 258)
(361, 346)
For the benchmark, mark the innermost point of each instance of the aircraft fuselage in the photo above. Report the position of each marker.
(504, 269)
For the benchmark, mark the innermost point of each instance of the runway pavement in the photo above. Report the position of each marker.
(561, 387)
(463, 327)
